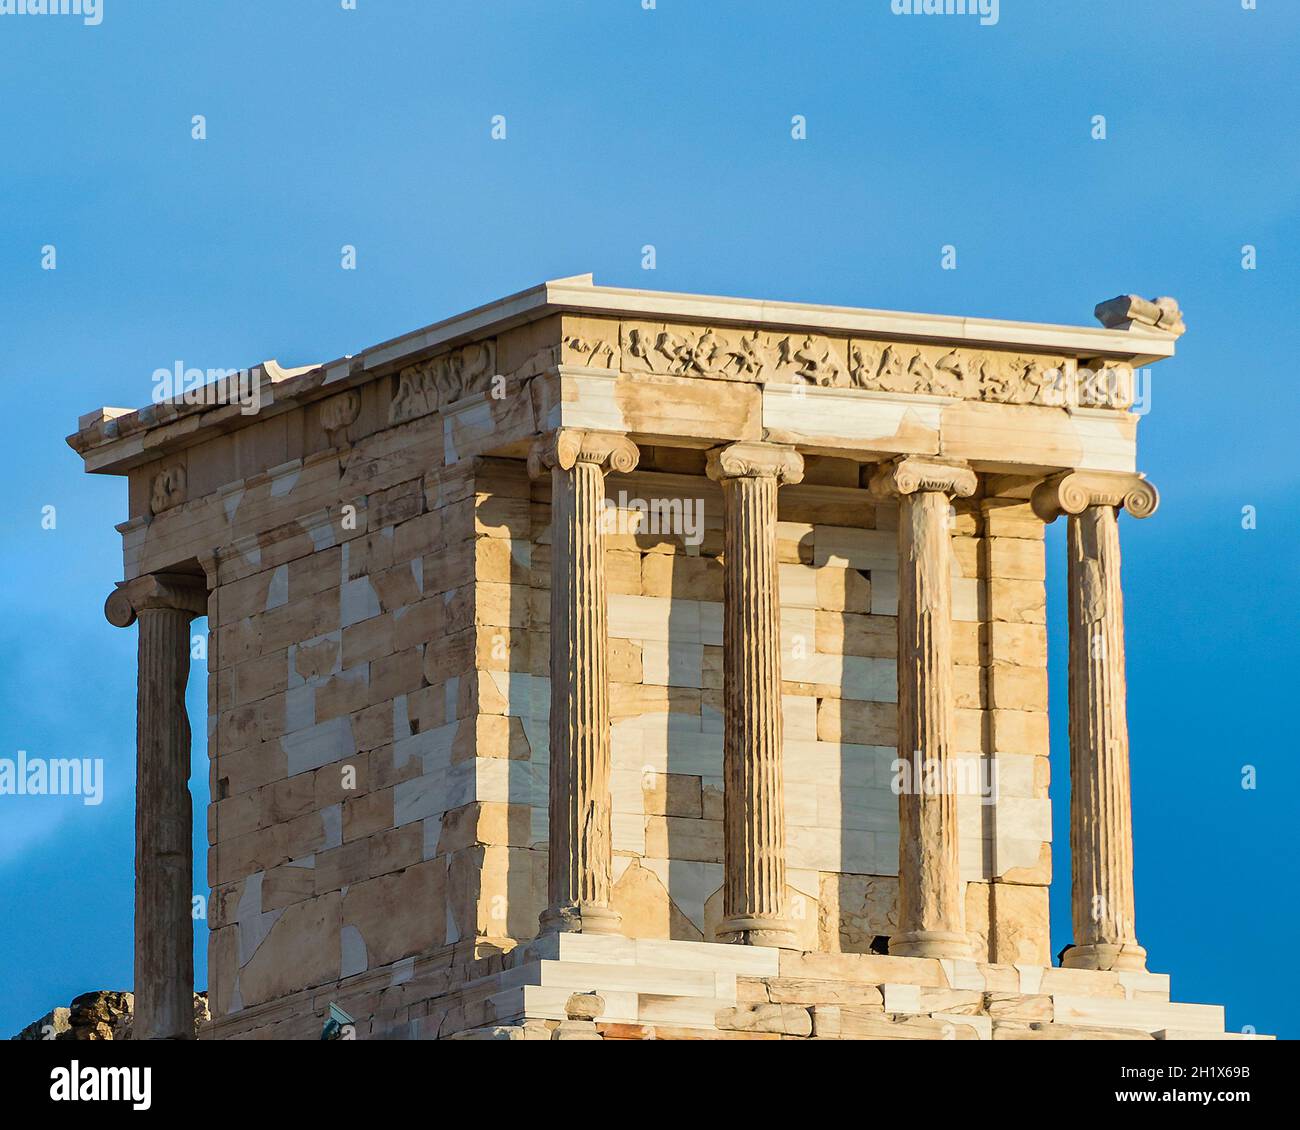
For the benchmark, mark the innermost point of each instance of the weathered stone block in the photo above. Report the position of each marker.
(786, 1019)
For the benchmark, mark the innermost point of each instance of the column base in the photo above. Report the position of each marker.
(580, 918)
(752, 930)
(1118, 956)
(930, 943)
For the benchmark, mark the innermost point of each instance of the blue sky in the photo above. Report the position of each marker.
(670, 127)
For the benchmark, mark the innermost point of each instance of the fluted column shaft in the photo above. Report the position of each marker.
(579, 869)
(164, 869)
(1101, 810)
(931, 912)
(754, 893)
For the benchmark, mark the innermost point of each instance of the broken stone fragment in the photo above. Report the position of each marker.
(1127, 309)
(584, 1006)
(576, 1030)
(100, 1016)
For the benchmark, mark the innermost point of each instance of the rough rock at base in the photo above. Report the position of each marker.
(100, 1015)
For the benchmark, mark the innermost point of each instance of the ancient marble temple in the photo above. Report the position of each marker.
(605, 663)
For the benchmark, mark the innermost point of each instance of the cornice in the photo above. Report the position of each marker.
(113, 440)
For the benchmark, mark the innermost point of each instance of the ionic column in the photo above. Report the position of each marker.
(1101, 814)
(753, 900)
(579, 876)
(931, 912)
(164, 604)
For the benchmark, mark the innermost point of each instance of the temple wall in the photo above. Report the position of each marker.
(333, 755)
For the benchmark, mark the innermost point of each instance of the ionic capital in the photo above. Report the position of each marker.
(182, 592)
(910, 474)
(566, 447)
(1072, 492)
(755, 461)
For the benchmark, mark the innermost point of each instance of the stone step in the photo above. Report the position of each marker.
(878, 969)
(754, 962)
(1056, 981)
(541, 1002)
(1076, 1018)
(847, 1023)
(748, 961)
(586, 977)
(1193, 1034)
(1011, 1030)
(680, 1012)
(548, 1002)
(874, 969)
(1147, 1015)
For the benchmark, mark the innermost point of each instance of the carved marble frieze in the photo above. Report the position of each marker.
(429, 385)
(339, 413)
(168, 488)
(594, 353)
(761, 356)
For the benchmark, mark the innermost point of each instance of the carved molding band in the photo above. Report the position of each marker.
(910, 474)
(566, 447)
(179, 591)
(755, 460)
(896, 367)
(433, 384)
(1072, 492)
(594, 354)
